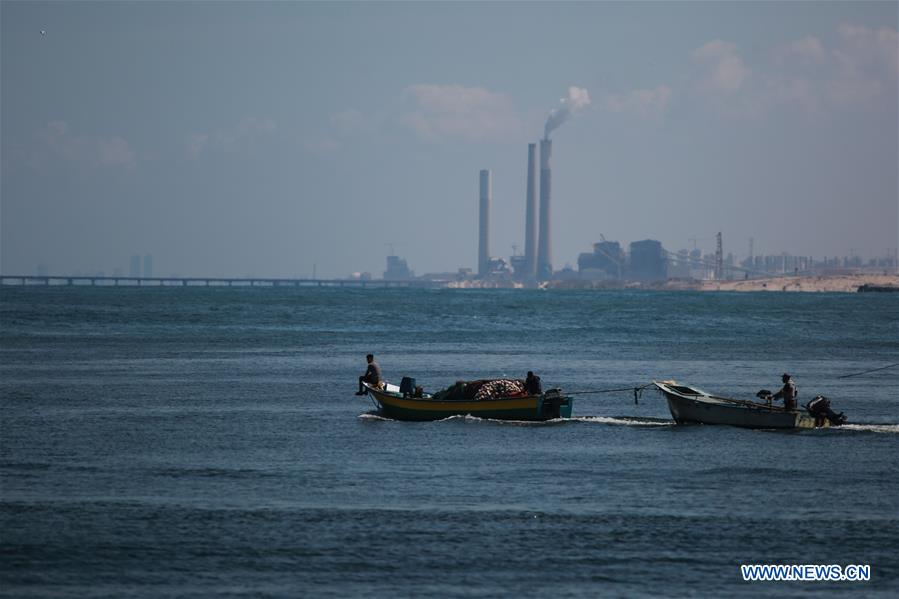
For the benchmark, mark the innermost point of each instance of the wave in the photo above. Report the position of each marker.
(200, 472)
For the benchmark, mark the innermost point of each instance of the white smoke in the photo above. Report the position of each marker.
(577, 98)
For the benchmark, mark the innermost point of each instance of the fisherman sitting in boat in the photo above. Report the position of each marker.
(372, 374)
(788, 393)
(532, 384)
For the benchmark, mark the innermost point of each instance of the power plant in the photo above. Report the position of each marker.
(537, 260)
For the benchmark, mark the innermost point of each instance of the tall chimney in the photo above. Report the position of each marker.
(530, 224)
(544, 247)
(484, 231)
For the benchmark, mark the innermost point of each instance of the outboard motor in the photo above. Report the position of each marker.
(821, 410)
(552, 404)
(407, 386)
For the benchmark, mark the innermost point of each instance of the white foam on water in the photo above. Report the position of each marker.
(874, 428)
(468, 418)
(623, 421)
(476, 419)
(372, 416)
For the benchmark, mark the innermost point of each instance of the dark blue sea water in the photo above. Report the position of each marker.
(206, 442)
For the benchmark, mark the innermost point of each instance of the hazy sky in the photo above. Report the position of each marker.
(262, 138)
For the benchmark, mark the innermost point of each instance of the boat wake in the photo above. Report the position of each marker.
(873, 428)
(625, 421)
(375, 416)
(614, 421)
(469, 419)
(617, 420)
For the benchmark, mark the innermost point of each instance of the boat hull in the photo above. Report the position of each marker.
(703, 409)
(530, 408)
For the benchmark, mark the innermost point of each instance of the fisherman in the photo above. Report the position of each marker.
(532, 384)
(372, 374)
(788, 393)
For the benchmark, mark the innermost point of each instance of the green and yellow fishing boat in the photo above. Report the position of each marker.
(393, 404)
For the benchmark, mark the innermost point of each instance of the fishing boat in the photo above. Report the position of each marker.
(692, 405)
(404, 406)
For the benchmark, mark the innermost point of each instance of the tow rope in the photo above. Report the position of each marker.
(846, 376)
(638, 391)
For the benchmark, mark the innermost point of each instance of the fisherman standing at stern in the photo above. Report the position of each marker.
(788, 393)
(372, 374)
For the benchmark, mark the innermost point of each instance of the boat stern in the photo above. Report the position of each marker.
(555, 405)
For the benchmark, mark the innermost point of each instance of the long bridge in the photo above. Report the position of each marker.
(94, 281)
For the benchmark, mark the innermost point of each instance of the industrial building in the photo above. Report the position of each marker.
(648, 261)
(606, 262)
(536, 263)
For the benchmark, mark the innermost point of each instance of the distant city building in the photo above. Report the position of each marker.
(780, 264)
(134, 271)
(648, 261)
(397, 269)
(42, 270)
(148, 265)
(679, 265)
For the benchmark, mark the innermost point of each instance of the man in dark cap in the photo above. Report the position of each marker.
(372, 374)
(787, 393)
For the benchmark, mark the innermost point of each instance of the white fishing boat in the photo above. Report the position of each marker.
(692, 405)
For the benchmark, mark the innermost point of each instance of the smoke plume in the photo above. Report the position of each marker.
(577, 98)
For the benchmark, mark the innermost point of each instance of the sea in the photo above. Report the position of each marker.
(208, 442)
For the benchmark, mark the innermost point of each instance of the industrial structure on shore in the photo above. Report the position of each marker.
(536, 263)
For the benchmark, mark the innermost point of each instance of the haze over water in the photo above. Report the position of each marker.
(274, 138)
(193, 442)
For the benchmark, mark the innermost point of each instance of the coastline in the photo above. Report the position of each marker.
(834, 283)
(848, 283)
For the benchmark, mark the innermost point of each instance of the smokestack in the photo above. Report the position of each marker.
(484, 232)
(544, 248)
(530, 224)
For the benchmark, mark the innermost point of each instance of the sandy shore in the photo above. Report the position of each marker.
(846, 283)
